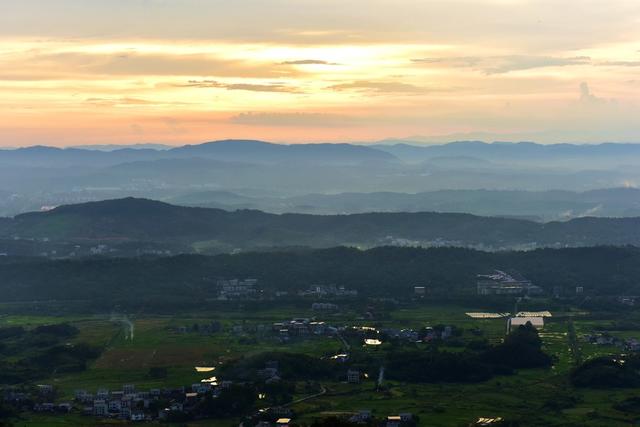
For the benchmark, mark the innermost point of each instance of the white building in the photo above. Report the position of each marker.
(536, 322)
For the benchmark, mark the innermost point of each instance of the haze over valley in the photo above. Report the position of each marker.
(543, 182)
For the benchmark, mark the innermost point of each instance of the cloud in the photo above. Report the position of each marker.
(587, 97)
(270, 87)
(457, 61)
(308, 62)
(292, 119)
(111, 101)
(186, 65)
(115, 102)
(621, 63)
(530, 24)
(506, 63)
(39, 65)
(378, 86)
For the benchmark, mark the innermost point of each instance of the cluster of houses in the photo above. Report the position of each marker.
(133, 405)
(130, 404)
(247, 289)
(427, 334)
(283, 332)
(628, 300)
(629, 344)
(411, 335)
(324, 306)
(302, 328)
(502, 283)
(440, 242)
(202, 328)
(237, 289)
(400, 241)
(328, 291)
(38, 400)
(126, 403)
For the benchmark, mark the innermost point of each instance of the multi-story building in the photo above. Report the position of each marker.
(502, 283)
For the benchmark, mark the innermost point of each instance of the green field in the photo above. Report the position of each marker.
(541, 397)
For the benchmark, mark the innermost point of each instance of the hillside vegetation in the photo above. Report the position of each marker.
(151, 221)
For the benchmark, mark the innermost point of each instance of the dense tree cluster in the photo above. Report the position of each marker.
(520, 349)
(36, 353)
(184, 281)
(607, 372)
(233, 401)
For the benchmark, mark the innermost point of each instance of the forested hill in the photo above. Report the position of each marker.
(191, 279)
(151, 221)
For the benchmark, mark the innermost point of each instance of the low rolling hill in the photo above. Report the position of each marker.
(132, 220)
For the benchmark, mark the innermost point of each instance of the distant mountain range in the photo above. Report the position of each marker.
(114, 147)
(245, 151)
(261, 152)
(214, 230)
(521, 152)
(303, 178)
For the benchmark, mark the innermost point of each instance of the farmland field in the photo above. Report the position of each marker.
(540, 396)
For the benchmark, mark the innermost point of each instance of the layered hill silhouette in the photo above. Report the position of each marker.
(245, 151)
(132, 219)
(38, 176)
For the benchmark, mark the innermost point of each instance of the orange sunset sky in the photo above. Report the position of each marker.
(185, 71)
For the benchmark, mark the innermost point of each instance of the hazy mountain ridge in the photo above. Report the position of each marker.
(265, 152)
(41, 176)
(253, 151)
(522, 151)
(152, 221)
(248, 151)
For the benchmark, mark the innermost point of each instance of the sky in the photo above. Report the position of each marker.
(186, 71)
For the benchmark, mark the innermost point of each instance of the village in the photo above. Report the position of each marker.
(174, 404)
(340, 328)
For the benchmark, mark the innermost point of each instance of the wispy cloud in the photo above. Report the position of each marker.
(308, 62)
(125, 101)
(378, 87)
(587, 97)
(111, 101)
(34, 65)
(621, 63)
(505, 64)
(295, 119)
(253, 87)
